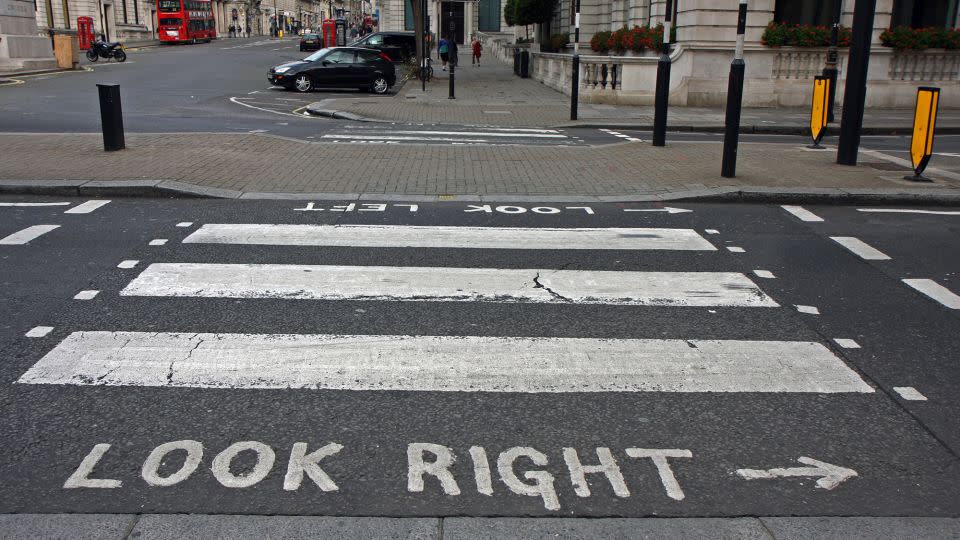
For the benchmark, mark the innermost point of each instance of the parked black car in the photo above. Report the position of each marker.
(310, 42)
(337, 67)
(399, 46)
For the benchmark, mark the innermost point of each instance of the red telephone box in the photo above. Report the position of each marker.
(85, 32)
(329, 33)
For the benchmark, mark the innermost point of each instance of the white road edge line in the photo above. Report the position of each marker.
(24, 236)
(801, 213)
(28, 204)
(935, 291)
(909, 393)
(442, 363)
(846, 343)
(860, 248)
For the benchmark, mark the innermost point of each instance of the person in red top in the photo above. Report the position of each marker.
(475, 59)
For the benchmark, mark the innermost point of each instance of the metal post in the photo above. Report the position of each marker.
(855, 94)
(830, 68)
(424, 47)
(111, 116)
(575, 81)
(663, 83)
(451, 50)
(731, 134)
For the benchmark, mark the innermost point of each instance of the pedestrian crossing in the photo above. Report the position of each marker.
(458, 136)
(213, 355)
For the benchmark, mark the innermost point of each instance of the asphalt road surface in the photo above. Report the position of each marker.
(410, 359)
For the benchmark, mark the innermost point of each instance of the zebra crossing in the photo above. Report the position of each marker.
(450, 135)
(211, 358)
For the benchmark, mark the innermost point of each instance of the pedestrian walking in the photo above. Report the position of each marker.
(477, 48)
(444, 48)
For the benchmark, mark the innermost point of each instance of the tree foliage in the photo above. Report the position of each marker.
(524, 12)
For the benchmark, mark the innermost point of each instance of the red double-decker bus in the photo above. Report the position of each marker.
(185, 21)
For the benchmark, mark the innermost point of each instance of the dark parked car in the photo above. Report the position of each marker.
(399, 46)
(310, 42)
(337, 67)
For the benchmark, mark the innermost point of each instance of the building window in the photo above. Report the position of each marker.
(125, 21)
(924, 13)
(490, 16)
(408, 22)
(815, 12)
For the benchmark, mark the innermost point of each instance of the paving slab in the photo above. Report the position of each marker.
(575, 529)
(856, 528)
(209, 527)
(66, 526)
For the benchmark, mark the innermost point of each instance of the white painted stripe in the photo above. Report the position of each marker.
(450, 237)
(35, 204)
(909, 211)
(86, 295)
(127, 264)
(846, 343)
(512, 130)
(86, 207)
(711, 231)
(305, 282)
(909, 393)
(442, 363)
(158, 242)
(185, 224)
(810, 310)
(735, 249)
(39, 331)
(481, 134)
(26, 235)
(935, 291)
(398, 138)
(860, 248)
(765, 274)
(801, 213)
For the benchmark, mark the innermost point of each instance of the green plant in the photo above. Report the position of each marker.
(903, 38)
(803, 35)
(638, 38)
(559, 41)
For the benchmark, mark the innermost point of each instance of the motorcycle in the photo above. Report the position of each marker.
(102, 49)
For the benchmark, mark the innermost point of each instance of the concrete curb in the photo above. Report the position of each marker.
(315, 109)
(752, 194)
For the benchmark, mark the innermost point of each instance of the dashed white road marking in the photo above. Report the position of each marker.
(846, 343)
(935, 291)
(810, 310)
(860, 248)
(801, 213)
(711, 231)
(127, 264)
(86, 295)
(405, 283)
(87, 207)
(185, 224)
(735, 249)
(909, 393)
(158, 242)
(765, 274)
(909, 211)
(26, 235)
(442, 363)
(451, 237)
(39, 331)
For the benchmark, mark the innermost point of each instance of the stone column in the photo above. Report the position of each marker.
(20, 46)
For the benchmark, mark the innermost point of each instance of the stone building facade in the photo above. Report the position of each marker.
(469, 17)
(705, 37)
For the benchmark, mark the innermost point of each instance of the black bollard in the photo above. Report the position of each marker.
(662, 96)
(111, 116)
(731, 133)
(575, 87)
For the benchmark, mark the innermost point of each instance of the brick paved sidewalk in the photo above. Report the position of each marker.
(492, 95)
(237, 162)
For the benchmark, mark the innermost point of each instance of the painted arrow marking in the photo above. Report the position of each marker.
(909, 211)
(831, 476)
(666, 209)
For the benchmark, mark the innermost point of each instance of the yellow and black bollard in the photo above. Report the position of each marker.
(924, 122)
(819, 110)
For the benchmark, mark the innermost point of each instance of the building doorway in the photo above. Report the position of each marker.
(457, 9)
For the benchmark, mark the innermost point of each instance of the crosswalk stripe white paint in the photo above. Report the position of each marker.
(909, 393)
(765, 274)
(860, 248)
(30, 204)
(442, 363)
(158, 242)
(127, 264)
(735, 249)
(846, 343)
(450, 237)
(935, 291)
(87, 207)
(481, 134)
(39, 331)
(397, 138)
(801, 213)
(26, 235)
(86, 295)
(303, 282)
(809, 310)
